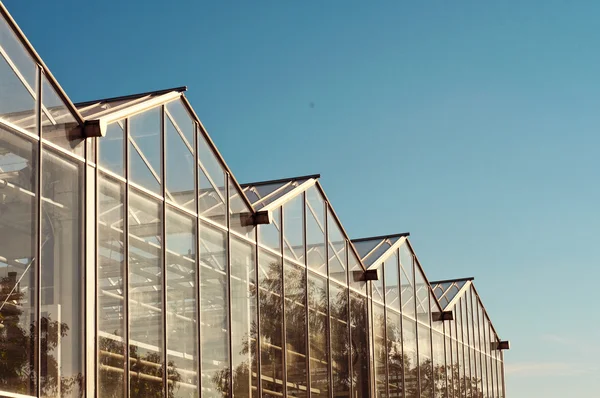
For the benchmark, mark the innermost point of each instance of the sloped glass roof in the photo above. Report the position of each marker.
(445, 291)
(262, 193)
(371, 249)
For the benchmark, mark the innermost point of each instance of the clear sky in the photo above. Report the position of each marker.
(472, 124)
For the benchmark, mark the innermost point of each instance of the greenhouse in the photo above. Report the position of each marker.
(133, 263)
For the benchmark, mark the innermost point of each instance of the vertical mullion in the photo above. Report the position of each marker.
(163, 157)
(415, 299)
(38, 254)
(328, 323)
(228, 284)
(431, 347)
(284, 327)
(371, 328)
(445, 359)
(349, 321)
(197, 263)
(399, 268)
(126, 258)
(307, 339)
(258, 331)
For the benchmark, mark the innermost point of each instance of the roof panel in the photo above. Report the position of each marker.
(262, 193)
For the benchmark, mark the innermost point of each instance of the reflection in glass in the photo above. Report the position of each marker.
(179, 167)
(110, 148)
(411, 365)
(182, 338)
(145, 149)
(340, 344)
(396, 359)
(18, 238)
(214, 329)
(61, 275)
(269, 234)
(293, 229)
(270, 283)
(422, 296)
(317, 334)
(360, 345)
(425, 362)
(145, 296)
(439, 365)
(243, 317)
(110, 273)
(315, 231)
(380, 352)
(182, 120)
(295, 318)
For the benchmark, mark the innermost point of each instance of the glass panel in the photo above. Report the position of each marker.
(293, 229)
(269, 234)
(422, 289)
(243, 317)
(407, 292)
(340, 344)
(17, 93)
(270, 283)
(111, 152)
(380, 350)
(110, 273)
(392, 288)
(182, 337)
(356, 274)
(360, 345)
(145, 296)
(317, 333)
(213, 312)
(411, 367)
(449, 370)
(315, 231)
(295, 318)
(364, 247)
(180, 169)
(184, 122)
(456, 365)
(439, 365)
(241, 215)
(18, 241)
(58, 124)
(145, 149)
(395, 356)
(425, 363)
(337, 250)
(379, 251)
(211, 183)
(17, 53)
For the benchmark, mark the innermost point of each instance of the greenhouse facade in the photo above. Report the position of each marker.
(132, 263)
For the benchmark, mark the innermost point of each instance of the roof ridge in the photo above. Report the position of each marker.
(132, 96)
(398, 235)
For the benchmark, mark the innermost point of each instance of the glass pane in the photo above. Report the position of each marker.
(61, 276)
(411, 368)
(422, 288)
(425, 363)
(379, 251)
(180, 169)
(182, 324)
(317, 334)
(214, 312)
(360, 345)
(110, 147)
(270, 283)
(439, 374)
(293, 229)
(377, 285)
(380, 351)
(295, 318)
(58, 124)
(407, 293)
(243, 317)
(356, 274)
(240, 214)
(392, 288)
(395, 356)
(269, 234)
(17, 104)
(182, 119)
(337, 250)
(145, 295)
(145, 149)
(17, 53)
(211, 183)
(18, 241)
(340, 344)
(315, 231)
(110, 274)
(364, 247)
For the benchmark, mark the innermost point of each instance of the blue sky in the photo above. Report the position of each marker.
(473, 125)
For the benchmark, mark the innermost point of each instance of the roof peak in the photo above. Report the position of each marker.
(399, 235)
(468, 278)
(281, 180)
(131, 96)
